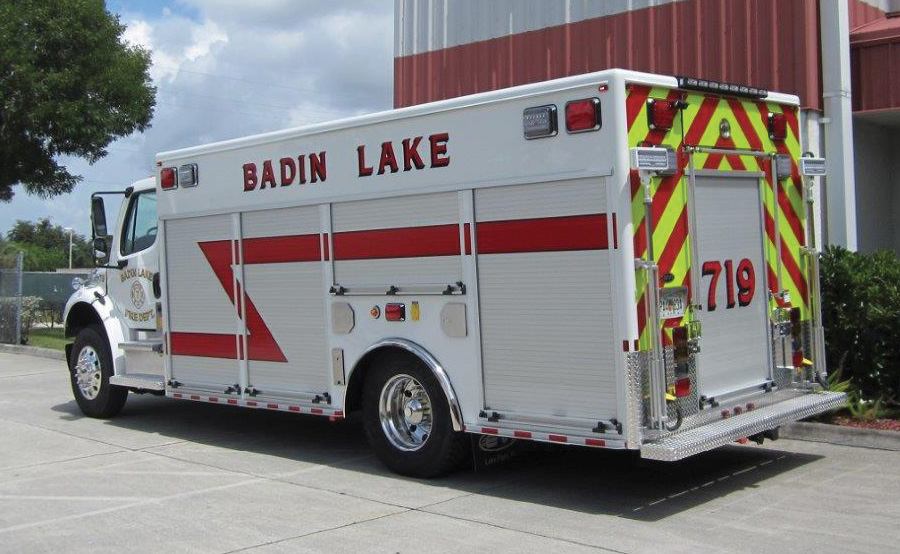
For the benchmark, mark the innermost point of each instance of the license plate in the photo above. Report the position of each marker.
(672, 302)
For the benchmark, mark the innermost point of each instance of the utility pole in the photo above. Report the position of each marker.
(70, 230)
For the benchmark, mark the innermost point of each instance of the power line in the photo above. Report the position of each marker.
(255, 82)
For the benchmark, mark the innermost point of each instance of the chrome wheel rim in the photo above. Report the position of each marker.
(88, 374)
(406, 413)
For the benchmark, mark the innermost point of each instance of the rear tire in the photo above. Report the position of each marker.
(90, 367)
(406, 418)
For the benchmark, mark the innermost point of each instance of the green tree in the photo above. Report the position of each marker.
(69, 85)
(46, 246)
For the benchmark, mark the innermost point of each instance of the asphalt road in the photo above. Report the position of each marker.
(172, 476)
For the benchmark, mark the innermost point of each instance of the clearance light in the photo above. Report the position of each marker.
(777, 126)
(583, 115)
(168, 178)
(661, 113)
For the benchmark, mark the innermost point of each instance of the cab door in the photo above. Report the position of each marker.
(134, 262)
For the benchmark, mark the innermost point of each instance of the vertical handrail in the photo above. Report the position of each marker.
(657, 385)
(776, 216)
(817, 344)
(692, 233)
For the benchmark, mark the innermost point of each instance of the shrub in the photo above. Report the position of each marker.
(30, 312)
(861, 315)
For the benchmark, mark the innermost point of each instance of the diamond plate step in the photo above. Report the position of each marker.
(140, 381)
(724, 431)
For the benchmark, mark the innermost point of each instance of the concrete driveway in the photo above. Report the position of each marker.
(171, 476)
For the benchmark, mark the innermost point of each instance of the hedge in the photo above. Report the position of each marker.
(30, 311)
(861, 316)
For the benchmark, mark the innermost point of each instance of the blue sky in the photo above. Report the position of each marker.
(218, 79)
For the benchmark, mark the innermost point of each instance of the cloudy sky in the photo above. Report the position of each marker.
(229, 68)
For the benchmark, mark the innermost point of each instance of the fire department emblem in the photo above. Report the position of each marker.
(137, 295)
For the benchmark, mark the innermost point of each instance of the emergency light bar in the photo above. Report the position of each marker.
(705, 85)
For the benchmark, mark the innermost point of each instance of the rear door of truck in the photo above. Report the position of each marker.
(726, 229)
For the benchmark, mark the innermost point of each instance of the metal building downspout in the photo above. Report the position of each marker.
(840, 189)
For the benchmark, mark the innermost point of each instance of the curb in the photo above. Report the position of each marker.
(844, 436)
(33, 351)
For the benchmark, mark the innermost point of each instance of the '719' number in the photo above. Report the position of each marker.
(745, 281)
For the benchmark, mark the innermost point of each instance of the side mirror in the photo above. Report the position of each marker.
(100, 248)
(98, 218)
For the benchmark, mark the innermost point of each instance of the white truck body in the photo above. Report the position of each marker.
(507, 264)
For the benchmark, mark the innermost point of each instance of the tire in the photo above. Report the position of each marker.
(406, 418)
(90, 368)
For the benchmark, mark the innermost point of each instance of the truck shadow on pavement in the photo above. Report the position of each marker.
(571, 478)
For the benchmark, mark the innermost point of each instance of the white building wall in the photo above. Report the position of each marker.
(877, 186)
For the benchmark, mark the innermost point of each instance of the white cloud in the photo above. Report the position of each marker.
(227, 68)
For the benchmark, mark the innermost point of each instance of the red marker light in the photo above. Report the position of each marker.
(395, 312)
(583, 115)
(168, 178)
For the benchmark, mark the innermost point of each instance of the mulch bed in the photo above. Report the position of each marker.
(880, 424)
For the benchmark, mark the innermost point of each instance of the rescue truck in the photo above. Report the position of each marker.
(615, 260)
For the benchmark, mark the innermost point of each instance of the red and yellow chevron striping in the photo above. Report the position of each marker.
(699, 125)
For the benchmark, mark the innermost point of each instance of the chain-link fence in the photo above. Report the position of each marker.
(30, 299)
(11, 300)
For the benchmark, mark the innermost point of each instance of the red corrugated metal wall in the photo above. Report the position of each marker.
(875, 64)
(862, 13)
(767, 43)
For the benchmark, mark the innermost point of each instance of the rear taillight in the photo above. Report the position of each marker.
(583, 115)
(680, 342)
(661, 113)
(777, 126)
(168, 178)
(683, 387)
(796, 328)
(682, 352)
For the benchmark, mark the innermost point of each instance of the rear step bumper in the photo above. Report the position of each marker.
(724, 431)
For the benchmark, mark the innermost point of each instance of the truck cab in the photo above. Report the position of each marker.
(116, 311)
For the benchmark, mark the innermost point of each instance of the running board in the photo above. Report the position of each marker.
(140, 381)
(724, 431)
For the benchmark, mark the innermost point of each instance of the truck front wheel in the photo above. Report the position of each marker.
(90, 367)
(407, 419)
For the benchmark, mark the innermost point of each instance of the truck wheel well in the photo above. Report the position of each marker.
(353, 396)
(396, 347)
(80, 316)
